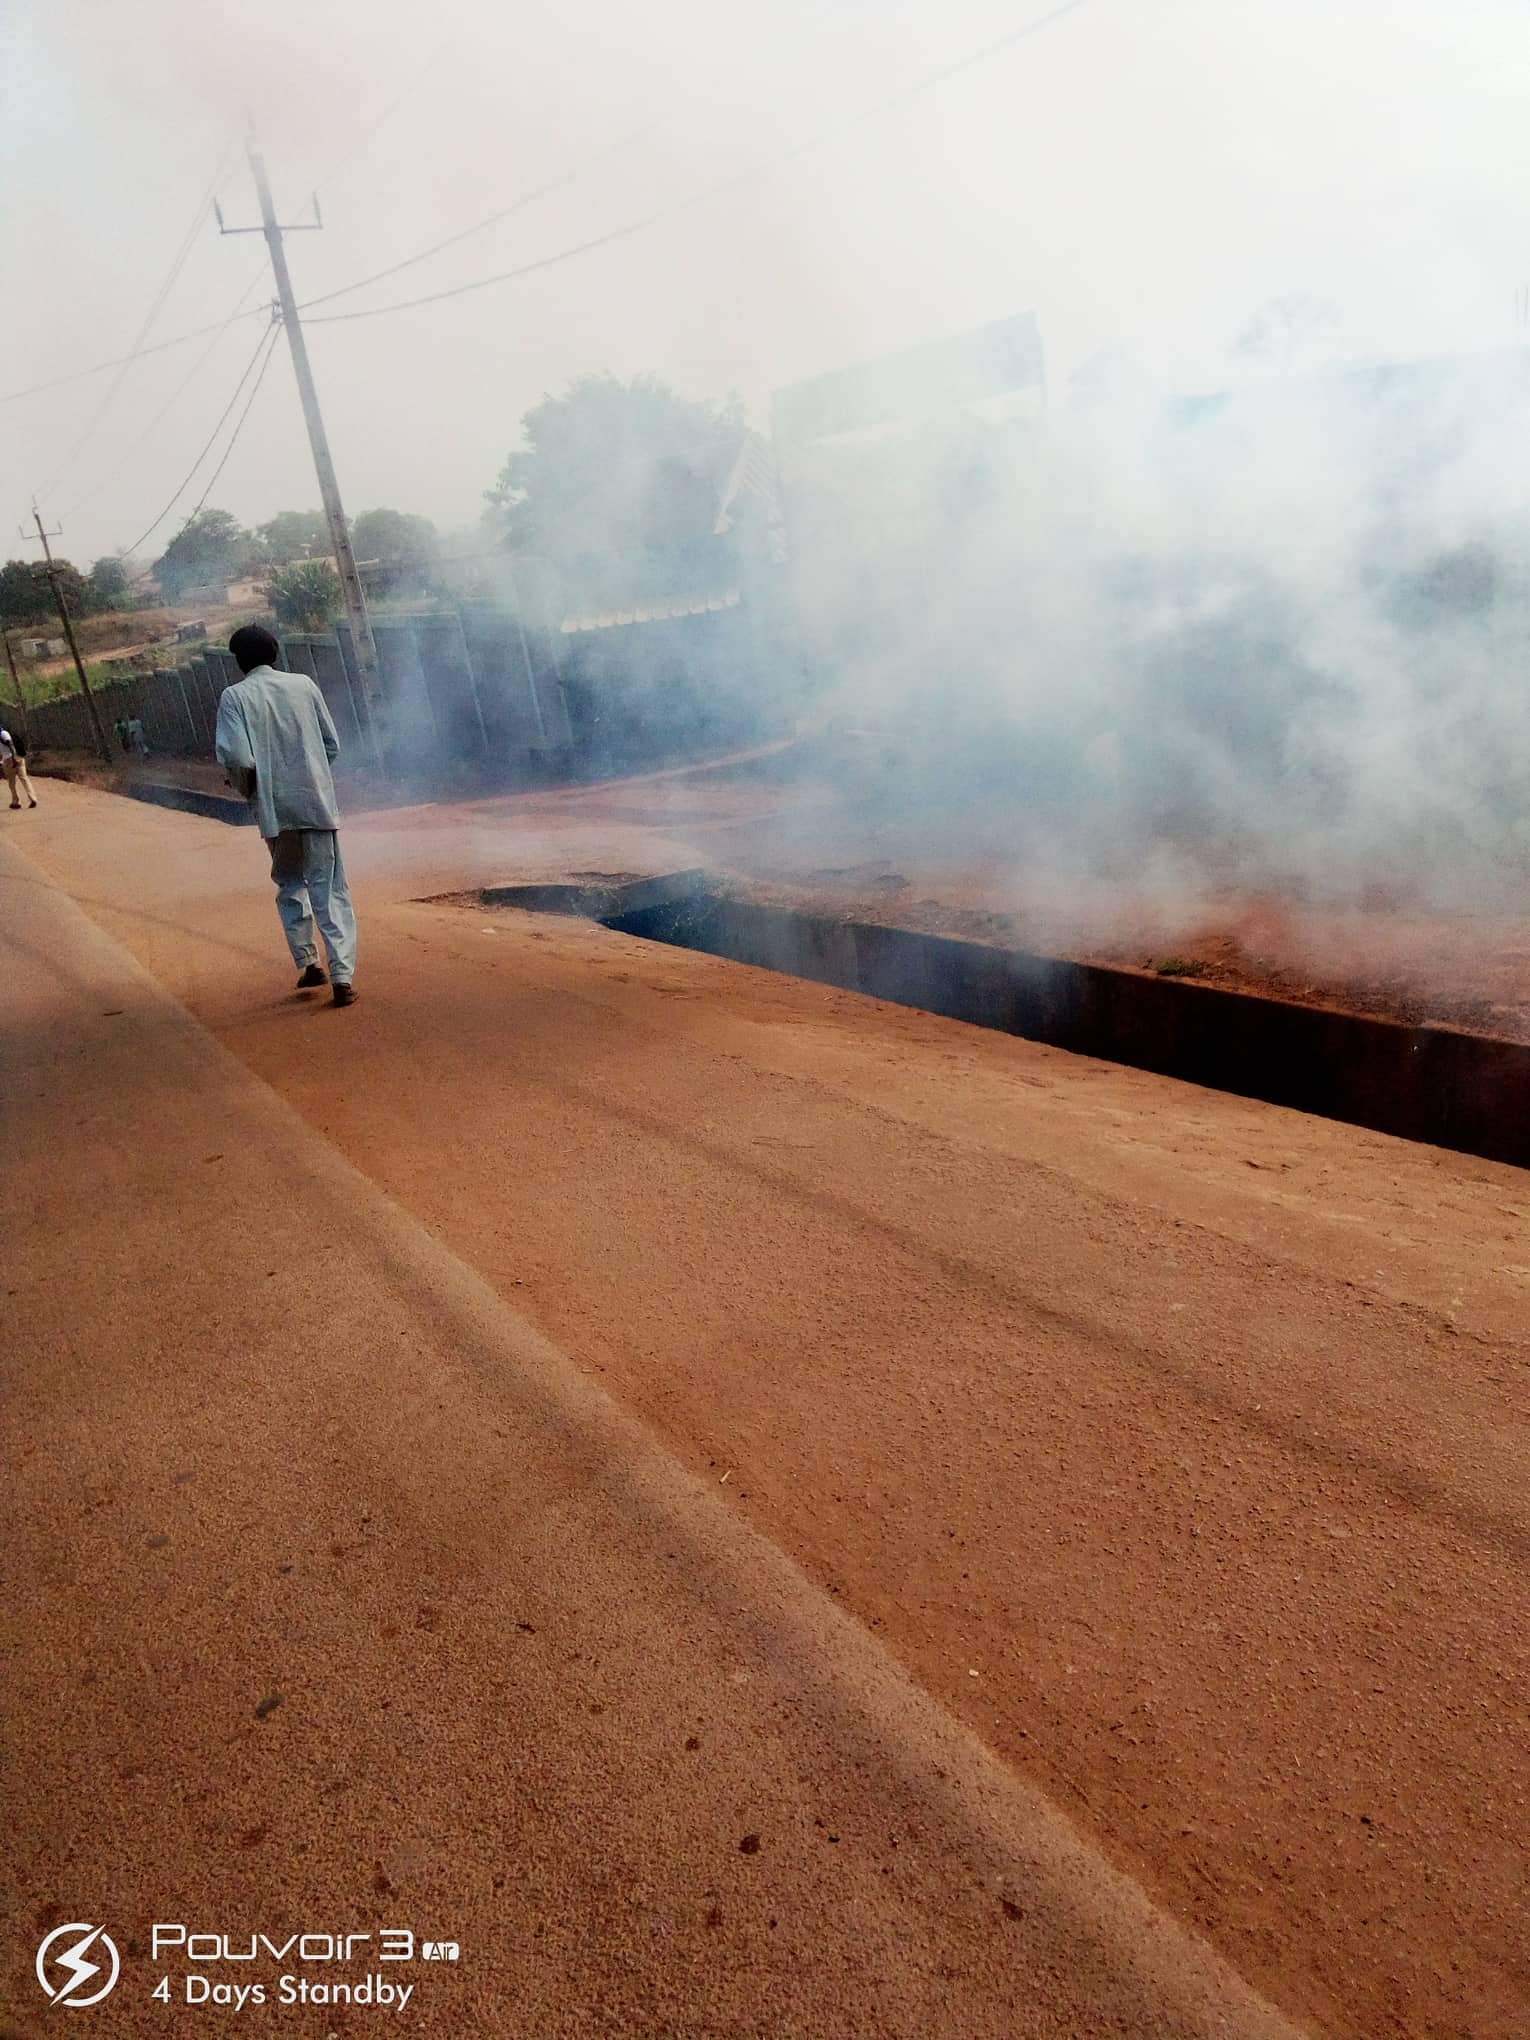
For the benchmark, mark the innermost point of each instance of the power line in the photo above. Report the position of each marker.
(266, 341)
(175, 395)
(516, 205)
(915, 89)
(927, 83)
(238, 427)
(138, 354)
(340, 164)
(621, 233)
(178, 263)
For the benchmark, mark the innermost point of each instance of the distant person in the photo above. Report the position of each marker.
(277, 740)
(13, 763)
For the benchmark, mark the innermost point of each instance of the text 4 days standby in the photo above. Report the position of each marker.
(293, 1990)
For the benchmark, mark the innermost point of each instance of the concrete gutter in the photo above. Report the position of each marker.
(1440, 1085)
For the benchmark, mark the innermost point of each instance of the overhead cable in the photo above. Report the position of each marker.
(178, 263)
(918, 86)
(265, 341)
(249, 404)
(516, 205)
(175, 395)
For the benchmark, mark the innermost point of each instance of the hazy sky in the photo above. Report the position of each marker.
(1144, 175)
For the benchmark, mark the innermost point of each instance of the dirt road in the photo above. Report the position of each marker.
(339, 1602)
(1173, 1445)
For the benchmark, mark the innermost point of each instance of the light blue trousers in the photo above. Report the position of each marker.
(310, 886)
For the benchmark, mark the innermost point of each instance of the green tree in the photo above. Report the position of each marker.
(108, 583)
(305, 595)
(25, 583)
(404, 544)
(74, 586)
(25, 596)
(295, 535)
(212, 546)
(618, 484)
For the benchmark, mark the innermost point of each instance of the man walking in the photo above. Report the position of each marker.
(13, 763)
(277, 738)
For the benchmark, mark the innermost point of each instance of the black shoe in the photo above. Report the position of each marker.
(31, 803)
(344, 995)
(312, 978)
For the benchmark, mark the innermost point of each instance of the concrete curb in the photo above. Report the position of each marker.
(1439, 1085)
(212, 807)
(190, 800)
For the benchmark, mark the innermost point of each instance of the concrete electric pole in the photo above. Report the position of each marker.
(10, 660)
(64, 618)
(324, 466)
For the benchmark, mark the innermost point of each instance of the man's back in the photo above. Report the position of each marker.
(277, 725)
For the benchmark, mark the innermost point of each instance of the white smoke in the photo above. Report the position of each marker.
(1275, 640)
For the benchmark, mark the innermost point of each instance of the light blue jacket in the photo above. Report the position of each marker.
(277, 726)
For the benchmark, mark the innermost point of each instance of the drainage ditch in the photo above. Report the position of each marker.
(1454, 1090)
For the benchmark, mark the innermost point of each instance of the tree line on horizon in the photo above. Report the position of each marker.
(615, 488)
(289, 554)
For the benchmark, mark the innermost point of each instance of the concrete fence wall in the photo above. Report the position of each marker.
(467, 695)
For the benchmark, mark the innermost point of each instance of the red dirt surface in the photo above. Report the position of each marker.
(339, 1601)
(1175, 1444)
(1385, 962)
(757, 820)
(797, 839)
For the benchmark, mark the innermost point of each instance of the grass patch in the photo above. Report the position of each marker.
(45, 687)
(1176, 966)
(102, 673)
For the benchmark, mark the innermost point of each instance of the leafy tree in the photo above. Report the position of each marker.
(618, 484)
(403, 543)
(74, 586)
(108, 583)
(212, 546)
(295, 535)
(305, 595)
(25, 596)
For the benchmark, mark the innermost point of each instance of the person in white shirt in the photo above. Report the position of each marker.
(14, 766)
(276, 737)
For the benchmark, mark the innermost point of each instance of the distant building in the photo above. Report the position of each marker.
(988, 371)
(662, 609)
(751, 496)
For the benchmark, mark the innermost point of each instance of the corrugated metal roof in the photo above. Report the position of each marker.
(663, 610)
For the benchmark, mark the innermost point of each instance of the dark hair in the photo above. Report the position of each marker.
(252, 645)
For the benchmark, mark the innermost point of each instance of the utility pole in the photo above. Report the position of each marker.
(324, 466)
(63, 616)
(21, 700)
